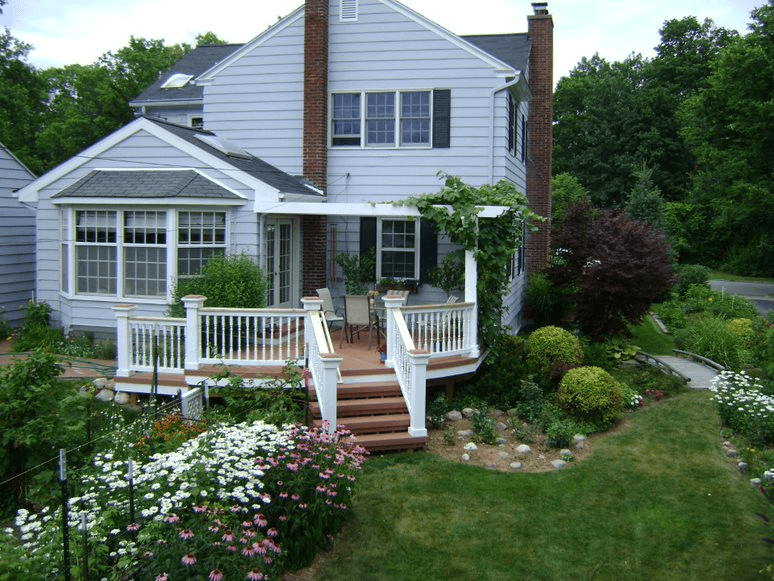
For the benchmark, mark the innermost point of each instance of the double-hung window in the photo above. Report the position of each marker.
(346, 119)
(95, 252)
(415, 118)
(200, 236)
(380, 118)
(391, 119)
(145, 253)
(397, 252)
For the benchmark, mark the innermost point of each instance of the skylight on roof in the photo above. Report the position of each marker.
(223, 146)
(176, 81)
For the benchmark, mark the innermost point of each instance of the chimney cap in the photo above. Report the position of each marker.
(540, 8)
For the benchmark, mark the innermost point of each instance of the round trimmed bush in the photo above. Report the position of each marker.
(549, 347)
(591, 394)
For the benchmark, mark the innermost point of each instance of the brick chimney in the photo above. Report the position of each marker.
(541, 113)
(315, 142)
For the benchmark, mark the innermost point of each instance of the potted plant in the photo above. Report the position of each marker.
(358, 271)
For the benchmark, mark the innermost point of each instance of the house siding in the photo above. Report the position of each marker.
(140, 151)
(17, 241)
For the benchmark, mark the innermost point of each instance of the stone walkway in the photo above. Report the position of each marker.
(700, 375)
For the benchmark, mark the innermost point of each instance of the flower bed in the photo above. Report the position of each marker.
(744, 407)
(243, 501)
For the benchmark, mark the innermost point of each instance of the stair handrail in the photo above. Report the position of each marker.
(322, 363)
(410, 365)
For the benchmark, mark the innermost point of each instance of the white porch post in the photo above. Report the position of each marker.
(192, 304)
(471, 296)
(123, 341)
(330, 366)
(418, 391)
(391, 302)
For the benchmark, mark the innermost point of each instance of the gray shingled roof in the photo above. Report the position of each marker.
(146, 184)
(194, 63)
(512, 49)
(252, 166)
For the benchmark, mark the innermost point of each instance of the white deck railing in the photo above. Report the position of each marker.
(140, 340)
(443, 330)
(322, 362)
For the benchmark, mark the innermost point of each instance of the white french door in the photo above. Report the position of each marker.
(282, 262)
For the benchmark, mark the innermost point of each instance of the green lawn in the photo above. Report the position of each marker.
(657, 500)
(718, 275)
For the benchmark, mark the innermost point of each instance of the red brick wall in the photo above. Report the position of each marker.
(541, 32)
(315, 155)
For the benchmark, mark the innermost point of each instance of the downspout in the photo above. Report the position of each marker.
(496, 90)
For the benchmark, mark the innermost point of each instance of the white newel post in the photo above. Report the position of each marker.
(330, 365)
(193, 336)
(471, 296)
(123, 341)
(310, 304)
(418, 391)
(391, 333)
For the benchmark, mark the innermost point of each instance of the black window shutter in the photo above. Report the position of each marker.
(511, 124)
(441, 118)
(367, 237)
(428, 251)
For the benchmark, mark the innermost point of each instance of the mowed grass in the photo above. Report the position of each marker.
(648, 337)
(656, 500)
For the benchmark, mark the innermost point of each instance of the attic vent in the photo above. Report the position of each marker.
(348, 10)
(176, 81)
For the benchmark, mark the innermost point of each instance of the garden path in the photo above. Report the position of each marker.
(700, 375)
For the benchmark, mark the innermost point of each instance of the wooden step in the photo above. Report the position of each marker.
(388, 423)
(363, 407)
(363, 390)
(393, 442)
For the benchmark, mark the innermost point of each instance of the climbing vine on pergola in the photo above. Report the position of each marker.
(494, 241)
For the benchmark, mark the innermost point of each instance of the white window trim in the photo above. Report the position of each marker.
(363, 118)
(172, 213)
(380, 249)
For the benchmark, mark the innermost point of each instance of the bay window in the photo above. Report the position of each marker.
(127, 253)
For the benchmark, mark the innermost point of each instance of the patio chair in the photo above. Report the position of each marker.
(357, 317)
(330, 312)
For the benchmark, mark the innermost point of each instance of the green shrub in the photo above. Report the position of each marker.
(551, 347)
(742, 328)
(35, 333)
(591, 394)
(530, 401)
(485, 427)
(5, 327)
(437, 410)
(711, 337)
(542, 302)
(689, 274)
(498, 380)
(226, 281)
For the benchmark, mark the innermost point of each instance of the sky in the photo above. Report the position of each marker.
(79, 31)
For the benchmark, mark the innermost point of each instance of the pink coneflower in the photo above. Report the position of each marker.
(147, 555)
(188, 560)
(303, 506)
(227, 537)
(200, 508)
(248, 551)
(249, 533)
(295, 497)
(231, 549)
(282, 518)
(186, 534)
(162, 577)
(260, 520)
(133, 527)
(255, 575)
(171, 519)
(215, 575)
(272, 532)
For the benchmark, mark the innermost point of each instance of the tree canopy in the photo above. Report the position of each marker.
(47, 116)
(698, 116)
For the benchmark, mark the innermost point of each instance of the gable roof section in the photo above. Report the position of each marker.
(498, 57)
(147, 184)
(246, 48)
(513, 49)
(254, 173)
(194, 63)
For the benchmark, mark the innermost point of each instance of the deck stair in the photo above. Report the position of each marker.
(375, 412)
